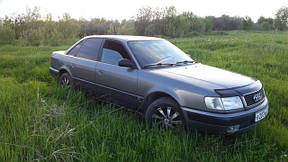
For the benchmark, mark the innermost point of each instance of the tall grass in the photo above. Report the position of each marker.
(40, 121)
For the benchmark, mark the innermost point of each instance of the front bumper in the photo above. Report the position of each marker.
(221, 123)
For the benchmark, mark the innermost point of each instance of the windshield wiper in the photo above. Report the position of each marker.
(159, 64)
(170, 64)
(186, 61)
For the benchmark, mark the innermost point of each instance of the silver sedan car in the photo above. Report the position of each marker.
(155, 78)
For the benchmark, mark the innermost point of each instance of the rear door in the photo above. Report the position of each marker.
(120, 82)
(84, 62)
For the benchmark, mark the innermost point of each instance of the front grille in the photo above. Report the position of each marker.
(255, 97)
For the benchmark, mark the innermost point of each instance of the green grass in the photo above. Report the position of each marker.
(40, 121)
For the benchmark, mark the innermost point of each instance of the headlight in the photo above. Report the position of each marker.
(223, 104)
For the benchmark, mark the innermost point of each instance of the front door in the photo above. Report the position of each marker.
(120, 82)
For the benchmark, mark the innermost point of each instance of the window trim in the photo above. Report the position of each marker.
(76, 44)
(121, 43)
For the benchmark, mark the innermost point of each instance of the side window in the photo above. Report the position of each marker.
(90, 49)
(75, 49)
(112, 52)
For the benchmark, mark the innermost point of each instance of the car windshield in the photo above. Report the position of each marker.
(157, 52)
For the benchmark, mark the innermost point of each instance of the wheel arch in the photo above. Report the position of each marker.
(64, 69)
(154, 95)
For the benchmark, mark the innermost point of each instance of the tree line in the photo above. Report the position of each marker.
(31, 28)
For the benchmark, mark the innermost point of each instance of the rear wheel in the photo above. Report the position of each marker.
(165, 113)
(65, 80)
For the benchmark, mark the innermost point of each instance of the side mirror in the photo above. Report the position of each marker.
(126, 63)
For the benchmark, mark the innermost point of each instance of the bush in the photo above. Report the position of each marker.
(217, 33)
(7, 36)
(55, 40)
(193, 34)
(30, 38)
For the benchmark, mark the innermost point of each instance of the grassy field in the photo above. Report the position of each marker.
(40, 121)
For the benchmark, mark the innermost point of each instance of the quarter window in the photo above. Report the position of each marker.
(90, 49)
(113, 52)
(75, 49)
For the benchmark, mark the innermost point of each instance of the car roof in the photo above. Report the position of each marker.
(124, 37)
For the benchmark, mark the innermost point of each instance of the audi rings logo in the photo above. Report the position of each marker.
(257, 97)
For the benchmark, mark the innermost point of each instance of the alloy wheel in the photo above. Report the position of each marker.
(65, 81)
(166, 117)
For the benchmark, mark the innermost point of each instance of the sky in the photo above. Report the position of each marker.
(125, 9)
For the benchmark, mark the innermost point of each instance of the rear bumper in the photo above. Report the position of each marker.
(220, 123)
(54, 72)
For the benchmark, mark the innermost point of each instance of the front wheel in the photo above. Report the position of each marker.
(165, 113)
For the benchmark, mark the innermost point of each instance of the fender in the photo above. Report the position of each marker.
(64, 67)
(159, 90)
(169, 92)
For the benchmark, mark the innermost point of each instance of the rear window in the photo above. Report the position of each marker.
(90, 48)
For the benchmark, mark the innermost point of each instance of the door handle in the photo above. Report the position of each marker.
(99, 72)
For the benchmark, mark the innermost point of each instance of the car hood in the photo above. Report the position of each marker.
(218, 77)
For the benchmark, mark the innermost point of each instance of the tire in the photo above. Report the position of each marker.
(165, 113)
(65, 81)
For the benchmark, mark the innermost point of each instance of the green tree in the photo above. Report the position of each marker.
(265, 23)
(127, 27)
(170, 21)
(68, 27)
(246, 23)
(281, 19)
(143, 20)
(225, 22)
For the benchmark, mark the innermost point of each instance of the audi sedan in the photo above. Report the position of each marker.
(153, 77)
